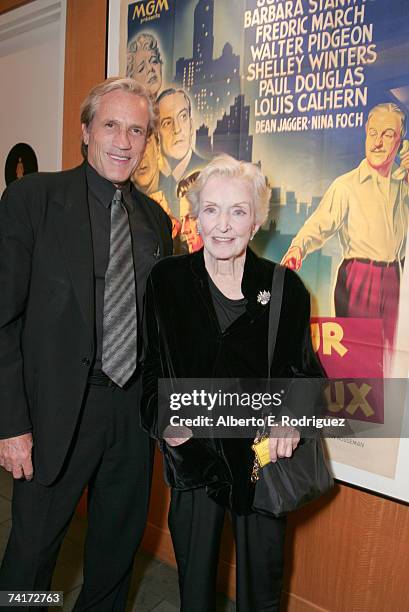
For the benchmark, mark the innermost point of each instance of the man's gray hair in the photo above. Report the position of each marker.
(226, 166)
(90, 104)
(171, 92)
(146, 42)
(390, 107)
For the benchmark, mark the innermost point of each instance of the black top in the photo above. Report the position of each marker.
(227, 310)
(144, 242)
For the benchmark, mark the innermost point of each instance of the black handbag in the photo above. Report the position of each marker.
(290, 482)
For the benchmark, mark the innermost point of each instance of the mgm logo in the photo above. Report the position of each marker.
(148, 10)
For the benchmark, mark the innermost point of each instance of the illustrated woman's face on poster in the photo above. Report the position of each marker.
(148, 70)
(144, 62)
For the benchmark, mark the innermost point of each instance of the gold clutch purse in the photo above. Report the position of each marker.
(262, 456)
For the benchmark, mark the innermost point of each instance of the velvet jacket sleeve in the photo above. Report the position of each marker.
(16, 247)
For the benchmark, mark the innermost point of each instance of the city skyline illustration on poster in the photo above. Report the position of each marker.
(289, 85)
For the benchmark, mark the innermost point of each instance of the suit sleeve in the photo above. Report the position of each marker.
(166, 224)
(169, 241)
(152, 368)
(16, 246)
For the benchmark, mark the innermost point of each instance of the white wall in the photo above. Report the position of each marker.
(32, 42)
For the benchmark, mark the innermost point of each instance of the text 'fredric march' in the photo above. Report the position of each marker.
(308, 60)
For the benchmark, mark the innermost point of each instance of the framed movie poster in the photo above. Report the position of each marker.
(317, 93)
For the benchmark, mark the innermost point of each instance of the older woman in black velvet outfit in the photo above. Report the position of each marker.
(204, 320)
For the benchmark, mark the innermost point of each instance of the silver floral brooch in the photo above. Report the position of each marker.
(263, 297)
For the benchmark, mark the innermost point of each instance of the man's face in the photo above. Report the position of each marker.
(148, 70)
(116, 136)
(382, 139)
(149, 164)
(175, 126)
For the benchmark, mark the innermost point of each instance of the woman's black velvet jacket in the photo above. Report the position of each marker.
(185, 341)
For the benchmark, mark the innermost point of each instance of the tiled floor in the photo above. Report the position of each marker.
(154, 585)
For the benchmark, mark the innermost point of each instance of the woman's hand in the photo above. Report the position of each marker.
(282, 442)
(175, 436)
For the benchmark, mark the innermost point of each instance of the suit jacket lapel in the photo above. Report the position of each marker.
(148, 208)
(74, 230)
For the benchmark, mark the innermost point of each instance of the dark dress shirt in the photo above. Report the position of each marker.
(144, 244)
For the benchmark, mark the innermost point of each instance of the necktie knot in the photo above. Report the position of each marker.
(117, 199)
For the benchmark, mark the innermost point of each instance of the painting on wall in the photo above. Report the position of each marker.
(20, 161)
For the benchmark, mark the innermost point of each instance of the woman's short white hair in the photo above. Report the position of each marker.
(226, 166)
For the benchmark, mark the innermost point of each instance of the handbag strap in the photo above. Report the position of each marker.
(275, 310)
(276, 299)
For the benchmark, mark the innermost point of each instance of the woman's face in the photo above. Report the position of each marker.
(148, 70)
(226, 216)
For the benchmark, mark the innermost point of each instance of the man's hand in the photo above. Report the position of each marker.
(15, 455)
(282, 442)
(175, 436)
(292, 259)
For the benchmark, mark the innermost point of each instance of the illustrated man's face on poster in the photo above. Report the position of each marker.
(383, 139)
(189, 227)
(149, 165)
(175, 126)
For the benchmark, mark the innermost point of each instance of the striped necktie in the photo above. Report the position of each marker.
(120, 318)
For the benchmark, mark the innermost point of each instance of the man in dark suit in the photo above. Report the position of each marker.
(75, 251)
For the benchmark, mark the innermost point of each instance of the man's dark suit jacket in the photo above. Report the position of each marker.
(47, 308)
